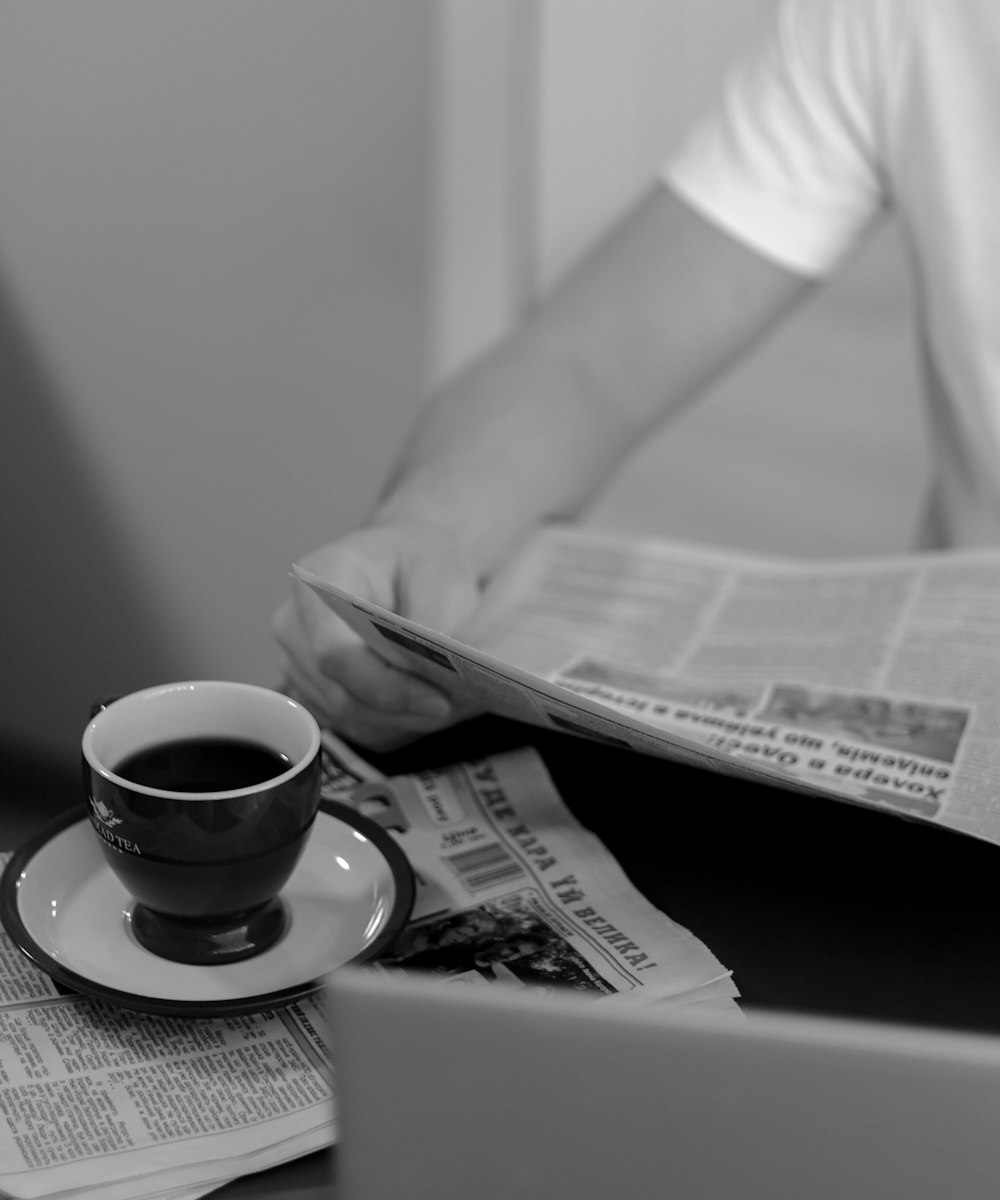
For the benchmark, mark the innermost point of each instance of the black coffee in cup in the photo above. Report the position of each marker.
(203, 764)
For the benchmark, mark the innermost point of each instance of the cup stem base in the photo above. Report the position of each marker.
(207, 942)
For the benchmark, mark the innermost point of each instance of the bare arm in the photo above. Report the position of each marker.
(662, 306)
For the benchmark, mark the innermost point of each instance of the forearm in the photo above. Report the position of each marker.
(504, 445)
(531, 430)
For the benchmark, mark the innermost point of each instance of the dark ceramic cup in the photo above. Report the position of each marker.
(202, 796)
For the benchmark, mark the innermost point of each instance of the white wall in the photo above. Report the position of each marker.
(484, 175)
(213, 325)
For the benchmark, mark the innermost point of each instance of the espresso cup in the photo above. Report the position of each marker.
(202, 796)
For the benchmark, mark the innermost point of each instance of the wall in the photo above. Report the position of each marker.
(212, 323)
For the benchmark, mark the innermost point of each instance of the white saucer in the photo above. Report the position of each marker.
(348, 898)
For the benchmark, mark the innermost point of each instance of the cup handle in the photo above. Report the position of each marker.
(379, 803)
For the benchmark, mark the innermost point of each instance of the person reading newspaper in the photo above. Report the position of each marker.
(843, 110)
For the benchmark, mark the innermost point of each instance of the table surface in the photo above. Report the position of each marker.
(816, 905)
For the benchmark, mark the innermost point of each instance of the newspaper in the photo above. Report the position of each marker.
(511, 888)
(869, 680)
(97, 1101)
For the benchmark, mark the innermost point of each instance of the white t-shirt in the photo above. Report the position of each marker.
(849, 107)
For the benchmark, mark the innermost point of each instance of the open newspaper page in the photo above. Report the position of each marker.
(872, 680)
(99, 1101)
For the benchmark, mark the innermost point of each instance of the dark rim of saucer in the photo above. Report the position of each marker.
(10, 918)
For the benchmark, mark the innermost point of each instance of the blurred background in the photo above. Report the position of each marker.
(240, 241)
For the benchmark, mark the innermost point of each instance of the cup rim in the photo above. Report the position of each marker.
(315, 741)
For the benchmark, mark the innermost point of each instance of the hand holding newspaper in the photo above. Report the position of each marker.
(868, 680)
(97, 1101)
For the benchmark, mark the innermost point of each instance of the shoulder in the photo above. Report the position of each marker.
(792, 157)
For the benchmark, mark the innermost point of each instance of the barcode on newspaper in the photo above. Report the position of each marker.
(484, 867)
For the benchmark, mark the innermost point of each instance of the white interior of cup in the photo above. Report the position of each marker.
(200, 708)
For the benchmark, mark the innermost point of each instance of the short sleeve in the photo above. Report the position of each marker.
(792, 160)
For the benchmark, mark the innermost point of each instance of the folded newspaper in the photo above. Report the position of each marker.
(871, 680)
(97, 1101)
